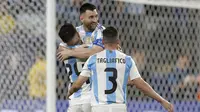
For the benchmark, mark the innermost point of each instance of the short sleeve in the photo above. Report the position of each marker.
(134, 73)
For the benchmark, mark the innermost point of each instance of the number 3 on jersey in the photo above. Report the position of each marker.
(112, 79)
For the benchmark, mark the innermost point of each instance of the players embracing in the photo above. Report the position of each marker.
(78, 44)
(109, 69)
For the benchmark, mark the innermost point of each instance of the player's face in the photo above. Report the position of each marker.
(90, 19)
(76, 40)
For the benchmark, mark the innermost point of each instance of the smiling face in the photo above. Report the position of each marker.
(90, 19)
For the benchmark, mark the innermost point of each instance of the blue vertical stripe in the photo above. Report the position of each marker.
(127, 72)
(111, 98)
(92, 66)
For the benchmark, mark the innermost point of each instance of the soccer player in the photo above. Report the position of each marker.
(80, 100)
(110, 71)
(90, 32)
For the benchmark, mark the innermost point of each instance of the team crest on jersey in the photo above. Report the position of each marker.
(88, 40)
(82, 32)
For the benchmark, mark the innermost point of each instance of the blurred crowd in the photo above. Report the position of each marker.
(166, 57)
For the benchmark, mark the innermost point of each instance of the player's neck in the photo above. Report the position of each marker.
(86, 29)
(111, 46)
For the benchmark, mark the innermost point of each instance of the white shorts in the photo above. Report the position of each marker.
(80, 108)
(110, 108)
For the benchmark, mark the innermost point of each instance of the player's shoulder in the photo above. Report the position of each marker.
(79, 28)
(91, 59)
(130, 60)
(120, 53)
(96, 55)
(100, 27)
(63, 44)
(127, 57)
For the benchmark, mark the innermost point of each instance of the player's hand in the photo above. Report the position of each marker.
(168, 106)
(60, 48)
(63, 54)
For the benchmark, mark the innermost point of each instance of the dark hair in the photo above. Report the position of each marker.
(87, 6)
(110, 35)
(67, 32)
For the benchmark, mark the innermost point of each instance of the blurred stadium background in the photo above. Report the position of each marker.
(164, 40)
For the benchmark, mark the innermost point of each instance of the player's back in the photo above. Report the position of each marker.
(74, 66)
(110, 72)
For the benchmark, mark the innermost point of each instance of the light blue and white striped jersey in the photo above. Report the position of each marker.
(91, 38)
(74, 67)
(109, 70)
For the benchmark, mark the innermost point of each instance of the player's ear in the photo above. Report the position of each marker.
(81, 17)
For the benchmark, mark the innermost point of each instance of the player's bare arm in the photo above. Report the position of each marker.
(80, 48)
(77, 85)
(78, 52)
(147, 90)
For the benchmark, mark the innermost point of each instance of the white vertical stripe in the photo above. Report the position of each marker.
(101, 77)
(99, 34)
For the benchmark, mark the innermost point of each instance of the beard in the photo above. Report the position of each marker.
(91, 26)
